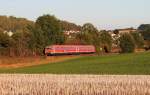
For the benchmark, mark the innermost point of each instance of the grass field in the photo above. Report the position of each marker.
(126, 64)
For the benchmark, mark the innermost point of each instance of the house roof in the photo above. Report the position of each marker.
(125, 29)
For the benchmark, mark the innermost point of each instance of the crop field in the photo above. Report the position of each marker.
(45, 84)
(122, 64)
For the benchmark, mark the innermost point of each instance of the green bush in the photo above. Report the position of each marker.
(127, 43)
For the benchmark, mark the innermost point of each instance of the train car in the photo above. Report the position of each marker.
(69, 49)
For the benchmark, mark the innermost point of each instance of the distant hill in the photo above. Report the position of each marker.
(67, 26)
(13, 24)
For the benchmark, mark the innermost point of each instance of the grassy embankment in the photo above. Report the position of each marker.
(132, 64)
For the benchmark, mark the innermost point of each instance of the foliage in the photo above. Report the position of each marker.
(138, 39)
(106, 40)
(127, 43)
(89, 35)
(116, 31)
(37, 41)
(67, 26)
(74, 41)
(51, 29)
(13, 24)
(4, 40)
(20, 45)
(5, 44)
(29, 37)
(147, 45)
(145, 31)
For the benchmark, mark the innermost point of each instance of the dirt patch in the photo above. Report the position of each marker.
(8, 62)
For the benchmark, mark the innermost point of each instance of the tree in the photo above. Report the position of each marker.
(20, 45)
(4, 40)
(67, 26)
(138, 39)
(89, 35)
(36, 42)
(145, 31)
(5, 44)
(127, 43)
(51, 29)
(106, 40)
(14, 24)
(116, 32)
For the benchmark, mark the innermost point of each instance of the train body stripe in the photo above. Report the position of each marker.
(70, 49)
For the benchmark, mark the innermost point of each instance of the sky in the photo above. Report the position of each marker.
(104, 14)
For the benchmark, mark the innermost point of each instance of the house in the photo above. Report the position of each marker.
(9, 33)
(70, 33)
(126, 30)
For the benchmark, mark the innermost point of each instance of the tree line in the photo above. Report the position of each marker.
(30, 38)
(103, 42)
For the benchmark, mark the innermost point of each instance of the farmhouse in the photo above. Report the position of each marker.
(126, 30)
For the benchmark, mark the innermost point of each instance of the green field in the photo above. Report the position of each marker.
(131, 64)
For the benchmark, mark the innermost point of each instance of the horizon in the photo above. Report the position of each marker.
(104, 14)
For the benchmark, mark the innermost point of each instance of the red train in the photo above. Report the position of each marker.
(69, 49)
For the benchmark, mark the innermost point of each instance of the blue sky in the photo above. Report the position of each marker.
(104, 14)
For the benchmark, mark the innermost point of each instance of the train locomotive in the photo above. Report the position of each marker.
(69, 49)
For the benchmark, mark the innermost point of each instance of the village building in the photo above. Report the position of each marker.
(9, 33)
(70, 33)
(126, 30)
